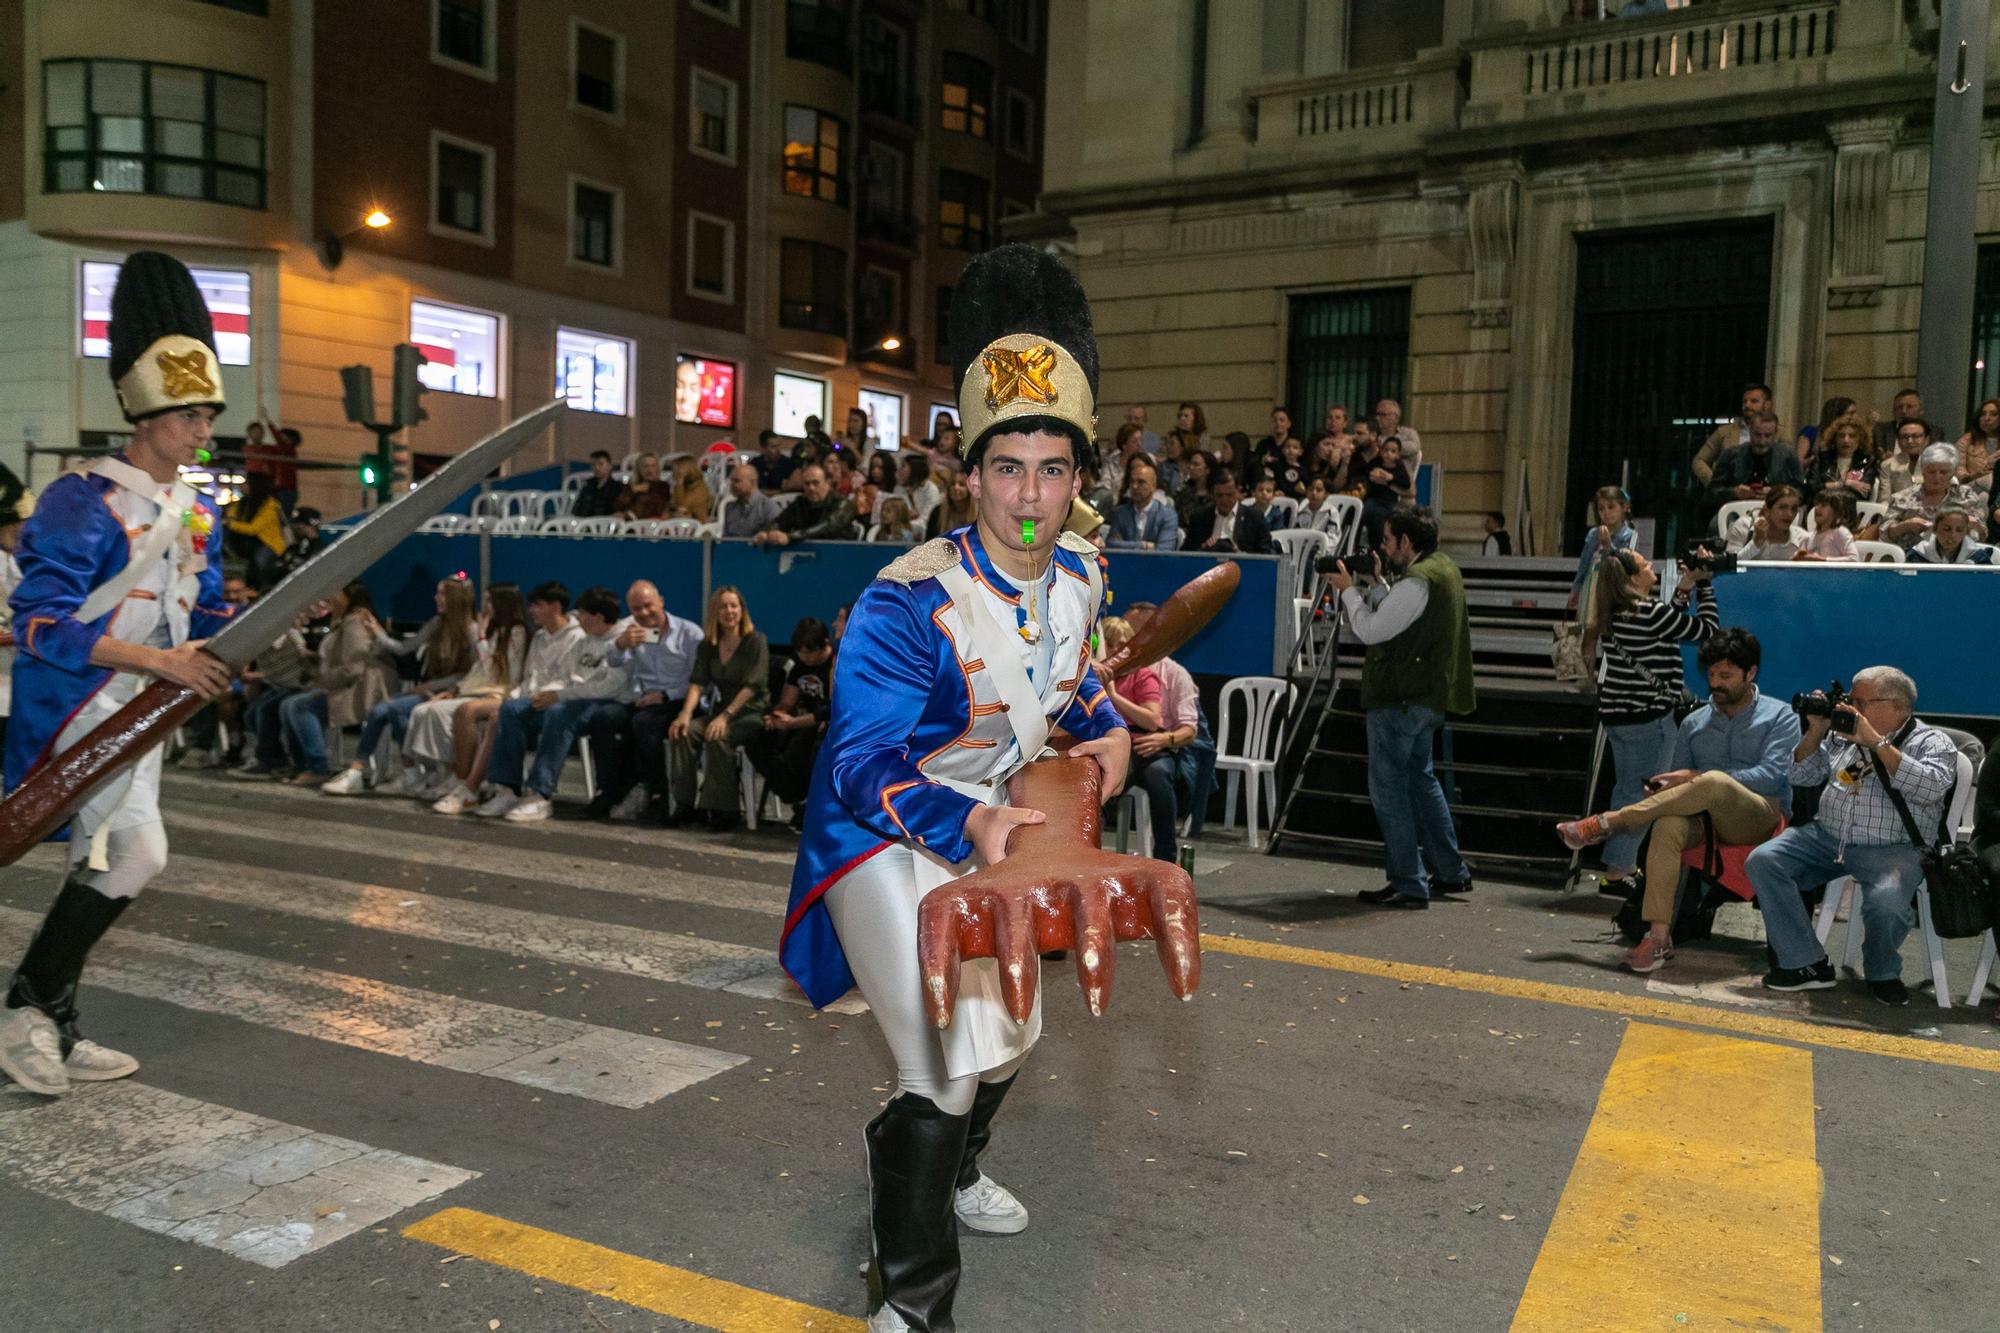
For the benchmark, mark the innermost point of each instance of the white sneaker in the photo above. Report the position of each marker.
(455, 801)
(31, 1051)
(90, 1063)
(437, 786)
(412, 782)
(529, 810)
(987, 1206)
(498, 804)
(886, 1320)
(348, 782)
(629, 808)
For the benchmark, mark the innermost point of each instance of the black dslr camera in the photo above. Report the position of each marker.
(1698, 557)
(1825, 703)
(1360, 565)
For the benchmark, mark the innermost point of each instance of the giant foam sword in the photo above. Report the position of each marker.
(1057, 888)
(53, 789)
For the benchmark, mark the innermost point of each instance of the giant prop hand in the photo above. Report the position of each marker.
(1057, 888)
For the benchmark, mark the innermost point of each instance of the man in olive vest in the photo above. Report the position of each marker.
(1417, 669)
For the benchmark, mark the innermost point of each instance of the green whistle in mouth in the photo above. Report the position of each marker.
(1027, 532)
(202, 455)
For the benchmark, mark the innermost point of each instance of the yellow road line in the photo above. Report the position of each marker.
(1617, 1002)
(661, 1288)
(1695, 1198)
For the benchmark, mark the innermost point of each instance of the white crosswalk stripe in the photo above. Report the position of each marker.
(558, 1055)
(258, 1189)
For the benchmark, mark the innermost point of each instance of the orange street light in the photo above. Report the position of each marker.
(377, 219)
(331, 247)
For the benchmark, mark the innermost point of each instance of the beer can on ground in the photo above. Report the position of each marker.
(1187, 857)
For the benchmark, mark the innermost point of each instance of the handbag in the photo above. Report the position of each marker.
(1964, 902)
(1566, 653)
(1679, 697)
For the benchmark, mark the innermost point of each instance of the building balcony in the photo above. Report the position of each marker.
(1383, 111)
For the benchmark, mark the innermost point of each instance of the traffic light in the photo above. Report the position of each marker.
(409, 389)
(357, 394)
(399, 463)
(371, 472)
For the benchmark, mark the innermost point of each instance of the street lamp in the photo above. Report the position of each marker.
(331, 248)
(888, 342)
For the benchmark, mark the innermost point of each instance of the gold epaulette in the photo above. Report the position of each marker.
(922, 562)
(1081, 545)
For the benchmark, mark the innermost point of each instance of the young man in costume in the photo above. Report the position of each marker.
(121, 579)
(956, 663)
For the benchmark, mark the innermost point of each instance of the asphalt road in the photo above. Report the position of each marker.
(355, 1017)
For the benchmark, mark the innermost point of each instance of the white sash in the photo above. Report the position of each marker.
(174, 502)
(995, 647)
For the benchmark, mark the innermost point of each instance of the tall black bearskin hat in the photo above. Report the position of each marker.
(1022, 350)
(162, 339)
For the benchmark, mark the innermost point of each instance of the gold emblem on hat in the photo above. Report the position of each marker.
(1014, 375)
(184, 376)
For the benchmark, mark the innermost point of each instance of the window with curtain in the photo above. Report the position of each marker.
(965, 105)
(814, 155)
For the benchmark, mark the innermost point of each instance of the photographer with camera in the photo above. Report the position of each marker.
(1869, 749)
(1729, 764)
(1418, 667)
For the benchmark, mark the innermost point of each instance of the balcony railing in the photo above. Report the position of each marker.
(1681, 44)
(1379, 110)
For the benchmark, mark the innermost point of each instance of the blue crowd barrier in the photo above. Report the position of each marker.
(1939, 624)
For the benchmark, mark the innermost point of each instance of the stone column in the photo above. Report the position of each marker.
(1861, 165)
(1235, 59)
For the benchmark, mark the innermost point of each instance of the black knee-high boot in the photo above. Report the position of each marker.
(914, 1152)
(979, 1129)
(49, 971)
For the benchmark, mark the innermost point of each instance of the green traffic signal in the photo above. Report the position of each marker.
(369, 473)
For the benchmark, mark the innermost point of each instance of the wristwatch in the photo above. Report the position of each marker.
(1879, 742)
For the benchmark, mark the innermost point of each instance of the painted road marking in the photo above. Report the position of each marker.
(1695, 1197)
(555, 1054)
(1617, 1002)
(683, 960)
(569, 869)
(674, 1292)
(258, 1189)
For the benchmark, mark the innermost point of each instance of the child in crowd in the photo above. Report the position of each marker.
(1614, 532)
(1498, 541)
(784, 752)
(1833, 521)
(1287, 470)
(1388, 486)
(894, 521)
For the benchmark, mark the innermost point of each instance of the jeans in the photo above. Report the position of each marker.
(304, 716)
(1784, 868)
(1194, 775)
(551, 730)
(1154, 775)
(1639, 750)
(391, 715)
(785, 759)
(1416, 823)
(266, 723)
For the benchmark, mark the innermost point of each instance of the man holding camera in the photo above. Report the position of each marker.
(1729, 767)
(1418, 668)
(1863, 746)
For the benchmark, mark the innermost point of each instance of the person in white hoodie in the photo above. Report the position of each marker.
(552, 718)
(551, 656)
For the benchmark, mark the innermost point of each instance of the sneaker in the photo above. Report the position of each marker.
(31, 1051)
(1817, 977)
(197, 760)
(531, 809)
(437, 787)
(987, 1206)
(412, 782)
(90, 1063)
(629, 808)
(498, 804)
(886, 1320)
(1578, 834)
(1649, 955)
(1892, 991)
(252, 772)
(456, 801)
(350, 782)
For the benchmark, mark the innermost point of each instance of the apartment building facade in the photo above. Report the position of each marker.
(690, 218)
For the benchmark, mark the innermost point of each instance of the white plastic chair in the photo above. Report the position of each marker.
(1729, 513)
(493, 504)
(715, 470)
(557, 504)
(1305, 547)
(518, 526)
(1305, 654)
(551, 527)
(1140, 807)
(1249, 748)
(1346, 529)
(680, 528)
(1283, 513)
(525, 503)
(446, 523)
(751, 783)
(574, 483)
(595, 527)
(1829, 905)
(1879, 553)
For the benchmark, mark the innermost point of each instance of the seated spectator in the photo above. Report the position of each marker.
(1834, 516)
(1731, 763)
(1135, 415)
(1950, 541)
(914, 485)
(1276, 510)
(1288, 471)
(601, 495)
(1388, 485)
(254, 531)
(1335, 421)
(350, 680)
(773, 461)
(1614, 532)
(1843, 457)
(1329, 461)
(1094, 492)
(436, 725)
(1186, 739)
(746, 510)
(1190, 418)
(646, 496)
(877, 481)
(690, 497)
(1389, 426)
(956, 512)
(444, 652)
(306, 539)
(1136, 696)
(550, 659)
(1269, 450)
(1498, 541)
(204, 733)
(657, 650)
(1364, 449)
(857, 440)
(734, 661)
(1857, 831)
(840, 477)
(1730, 435)
(1143, 520)
(1762, 462)
(785, 750)
(1319, 513)
(552, 719)
(895, 522)
(815, 516)
(1197, 469)
(1898, 470)
(1168, 462)
(1912, 511)
(1770, 533)
(1226, 523)
(279, 672)
(1810, 438)
(1236, 455)
(1979, 447)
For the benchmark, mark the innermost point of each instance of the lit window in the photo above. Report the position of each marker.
(225, 291)
(711, 260)
(594, 225)
(967, 100)
(961, 211)
(600, 63)
(813, 155)
(463, 33)
(793, 399)
(462, 202)
(712, 116)
(594, 371)
(461, 348)
(123, 127)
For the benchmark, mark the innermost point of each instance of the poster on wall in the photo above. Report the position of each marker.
(885, 417)
(704, 391)
(793, 399)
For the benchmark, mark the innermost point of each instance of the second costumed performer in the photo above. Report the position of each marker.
(957, 662)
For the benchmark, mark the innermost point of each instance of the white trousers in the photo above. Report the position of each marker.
(115, 838)
(429, 736)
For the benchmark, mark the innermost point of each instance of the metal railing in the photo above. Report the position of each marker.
(1685, 44)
